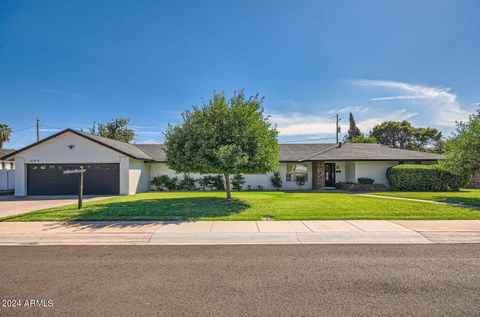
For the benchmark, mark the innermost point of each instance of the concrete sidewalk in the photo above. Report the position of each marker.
(240, 232)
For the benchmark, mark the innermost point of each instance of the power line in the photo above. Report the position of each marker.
(312, 139)
(22, 129)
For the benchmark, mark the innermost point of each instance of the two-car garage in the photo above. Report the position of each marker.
(49, 179)
(112, 167)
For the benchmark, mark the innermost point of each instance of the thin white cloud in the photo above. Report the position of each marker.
(440, 103)
(292, 124)
(140, 132)
(149, 141)
(396, 115)
(354, 109)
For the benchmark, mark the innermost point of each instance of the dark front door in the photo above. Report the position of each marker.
(48, 179)
(329, 174)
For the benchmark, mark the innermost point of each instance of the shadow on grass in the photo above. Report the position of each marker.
(471, 201)
(134, 212)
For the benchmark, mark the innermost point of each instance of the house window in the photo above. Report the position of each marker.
(294, 170)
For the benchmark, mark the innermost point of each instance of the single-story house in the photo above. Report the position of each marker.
(115, 167)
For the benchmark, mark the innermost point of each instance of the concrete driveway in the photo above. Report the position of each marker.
(11, 206)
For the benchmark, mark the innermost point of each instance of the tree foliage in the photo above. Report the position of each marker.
(238, 181)
(223, 136)
(116, 129)
(353, 130)
(5, 133)
(354, 135)
(401, 134)
(462, 154)
(362, 138)
(300, 180)
(276, 180)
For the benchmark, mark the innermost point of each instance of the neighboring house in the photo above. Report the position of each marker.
(6, 165)
(7, 173)
(115, 167)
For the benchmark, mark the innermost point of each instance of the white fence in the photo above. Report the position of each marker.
(7, 179)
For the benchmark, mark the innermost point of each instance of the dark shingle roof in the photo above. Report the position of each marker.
(288, 152)
(155, 151)
(298, 152)
(4, 152)
(369, 151)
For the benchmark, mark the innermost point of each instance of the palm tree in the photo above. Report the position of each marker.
(5, 133)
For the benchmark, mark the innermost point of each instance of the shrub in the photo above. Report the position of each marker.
(276, 180)
(218, 183)
(365, 181)
(187, 183)
(212, 182)
(300, 180)
(416, 177)
(163, 182)
(238, 181)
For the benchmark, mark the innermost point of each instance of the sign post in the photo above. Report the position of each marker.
(80, 171)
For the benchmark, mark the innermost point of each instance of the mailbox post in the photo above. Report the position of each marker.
(80, 171)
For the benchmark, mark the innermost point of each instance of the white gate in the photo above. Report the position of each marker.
(7, 179)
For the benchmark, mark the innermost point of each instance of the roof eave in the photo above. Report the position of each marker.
(63, 132)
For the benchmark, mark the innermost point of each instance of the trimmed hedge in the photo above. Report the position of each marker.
(365, 181)
(416, 177)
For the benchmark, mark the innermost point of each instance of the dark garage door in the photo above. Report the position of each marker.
(48, 179)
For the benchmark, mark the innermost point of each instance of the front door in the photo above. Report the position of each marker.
(329, 174)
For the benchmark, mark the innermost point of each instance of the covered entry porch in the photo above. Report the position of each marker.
(326, 174)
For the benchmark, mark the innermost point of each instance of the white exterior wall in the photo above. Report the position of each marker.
(20, 177)
(376, 170)
(254, 180)
(350, 172)
(139, 177)
(57, 151)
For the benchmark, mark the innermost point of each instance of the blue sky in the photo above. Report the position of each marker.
(70, 63)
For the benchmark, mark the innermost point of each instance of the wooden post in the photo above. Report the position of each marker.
(80, 189)
(80, 183)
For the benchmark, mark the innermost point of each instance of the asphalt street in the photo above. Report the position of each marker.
(260, 280)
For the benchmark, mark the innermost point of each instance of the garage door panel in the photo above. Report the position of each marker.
(48, 179)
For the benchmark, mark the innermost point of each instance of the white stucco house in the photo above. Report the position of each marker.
(118, 168)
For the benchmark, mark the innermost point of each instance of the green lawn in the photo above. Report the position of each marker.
(247, 206)
(465, 196)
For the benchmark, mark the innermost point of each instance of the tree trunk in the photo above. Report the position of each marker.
(227, 186)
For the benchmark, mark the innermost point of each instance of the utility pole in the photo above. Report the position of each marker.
(38, 130)
(337, 131)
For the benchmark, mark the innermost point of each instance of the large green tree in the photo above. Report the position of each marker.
(362, 138)
(5, 133)
(393, 133)
(353, 130)
(116, 129)
(401, 134)
(462, 154)
(223, 136)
